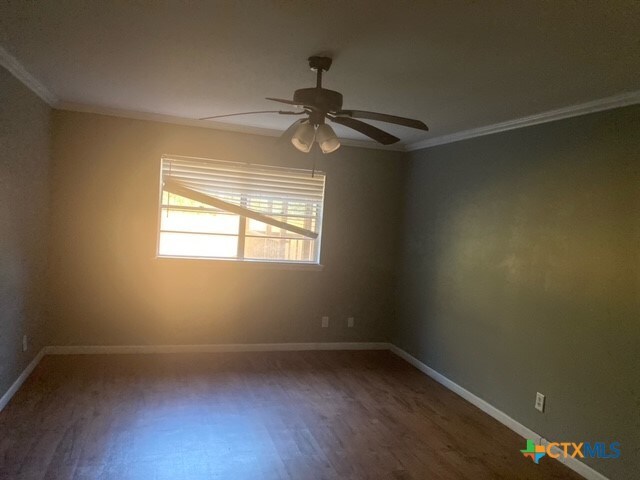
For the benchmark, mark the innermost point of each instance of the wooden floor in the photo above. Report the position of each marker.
(234, 416)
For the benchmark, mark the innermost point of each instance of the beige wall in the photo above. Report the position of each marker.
(109, 288)
(522, 275)
(24, 220)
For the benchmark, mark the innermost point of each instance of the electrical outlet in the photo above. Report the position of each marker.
(539, 402)
(350, 322)
(325, 322)
(25, 343)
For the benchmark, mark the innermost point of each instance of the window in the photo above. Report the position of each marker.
(239, 211)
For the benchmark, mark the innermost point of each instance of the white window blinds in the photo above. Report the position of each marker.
(279, 210)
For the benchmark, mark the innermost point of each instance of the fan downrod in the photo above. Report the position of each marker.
(319, 65)
(319, 99)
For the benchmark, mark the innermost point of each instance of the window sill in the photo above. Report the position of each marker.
(249, 263)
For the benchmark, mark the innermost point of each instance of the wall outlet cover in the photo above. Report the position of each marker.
(325, 322)
(539, 402)
(350, 322)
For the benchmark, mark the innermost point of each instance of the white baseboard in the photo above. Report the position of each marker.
(15, 386)
(212, 348)
(572, 463)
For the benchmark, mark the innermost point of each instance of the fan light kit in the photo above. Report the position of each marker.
(319, 105)
(323, 134)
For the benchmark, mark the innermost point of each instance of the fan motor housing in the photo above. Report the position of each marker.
(319, 98)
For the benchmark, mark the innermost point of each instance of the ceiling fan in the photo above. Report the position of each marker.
(318, 105)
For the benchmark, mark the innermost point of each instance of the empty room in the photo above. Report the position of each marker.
(309, 240)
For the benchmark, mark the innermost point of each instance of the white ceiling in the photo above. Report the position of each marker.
(456, 65)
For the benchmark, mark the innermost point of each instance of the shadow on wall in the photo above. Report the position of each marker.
(24, 225)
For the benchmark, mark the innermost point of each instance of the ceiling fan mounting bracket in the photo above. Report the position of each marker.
(320, 63)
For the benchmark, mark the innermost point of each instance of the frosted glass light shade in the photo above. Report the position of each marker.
(303, 138)
(327, 139)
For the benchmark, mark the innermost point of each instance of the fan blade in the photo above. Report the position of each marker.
(366, 129)
(288, 133)
(383, 117)
(282, 100)
(281, 112)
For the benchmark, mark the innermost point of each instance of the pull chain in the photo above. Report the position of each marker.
(168, 194)
(315, 157)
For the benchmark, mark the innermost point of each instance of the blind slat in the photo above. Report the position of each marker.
(249, 184)
(316, 181)
(251, 192)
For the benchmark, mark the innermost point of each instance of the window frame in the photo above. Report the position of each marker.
(240, 259)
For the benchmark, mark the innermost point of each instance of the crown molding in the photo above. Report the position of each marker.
(622, 100)
(9, 62)
(192, 122)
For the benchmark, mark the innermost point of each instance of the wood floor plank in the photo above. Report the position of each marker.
(259, 415)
